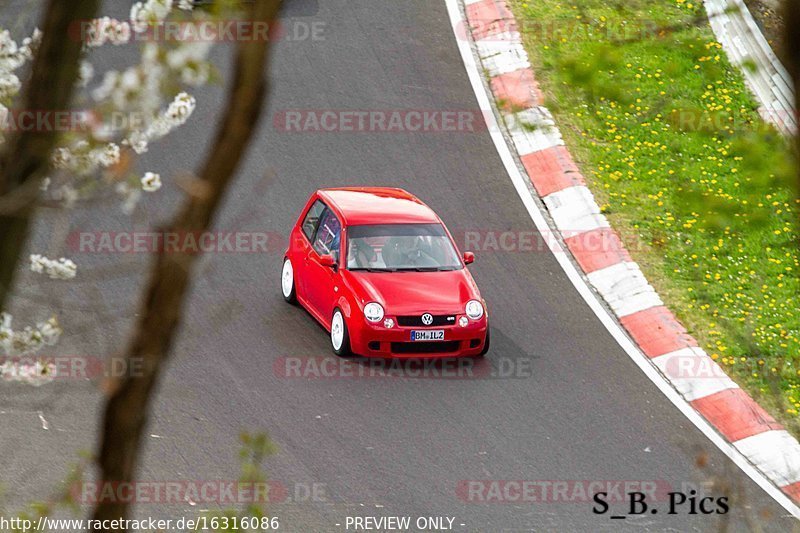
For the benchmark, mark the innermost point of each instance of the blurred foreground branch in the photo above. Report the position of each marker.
(25, 158)
(126, 411)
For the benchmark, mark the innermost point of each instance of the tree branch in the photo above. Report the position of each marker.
(26, 155)
(126, 411)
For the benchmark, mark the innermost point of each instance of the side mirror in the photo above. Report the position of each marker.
(469, 258)
(327, 260)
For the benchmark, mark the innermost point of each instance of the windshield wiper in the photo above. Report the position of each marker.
(369, 269)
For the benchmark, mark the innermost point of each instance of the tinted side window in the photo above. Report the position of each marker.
(312, 219)
(328, 235)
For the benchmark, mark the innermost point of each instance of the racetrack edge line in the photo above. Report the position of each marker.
(458, 21)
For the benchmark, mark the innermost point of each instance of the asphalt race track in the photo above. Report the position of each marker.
(575, 408)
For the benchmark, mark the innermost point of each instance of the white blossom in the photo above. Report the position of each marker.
(181, 108)
(18, 344)
(9, 85)
(190, 61)
(136, 91)
(31, 44)
(130, 195)
(108, 155)
(94, 33)
(178, 112)
(107, 86)
(55, 269)
(61, 158)
(85, 73)
(34, 373)
(118, 32)
(144, 14)
(151, 182)
(190, 52)
(104, 30)
(138, 142)
(11, 56)
(67, 195)
(196, 75)
(29, 340)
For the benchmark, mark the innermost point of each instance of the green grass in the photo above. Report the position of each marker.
(700, 188)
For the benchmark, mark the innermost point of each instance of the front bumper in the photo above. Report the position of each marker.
(375, 340)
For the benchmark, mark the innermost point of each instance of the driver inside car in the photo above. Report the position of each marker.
(404, 252)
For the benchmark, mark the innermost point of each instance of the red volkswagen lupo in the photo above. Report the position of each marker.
(379, 270)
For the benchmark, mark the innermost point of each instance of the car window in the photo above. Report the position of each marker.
(328, 234)
(312, 219)
(400, 247)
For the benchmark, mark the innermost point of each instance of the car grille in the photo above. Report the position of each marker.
(425, 347)
(415, 321)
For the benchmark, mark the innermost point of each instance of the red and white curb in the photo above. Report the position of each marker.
(748, 432)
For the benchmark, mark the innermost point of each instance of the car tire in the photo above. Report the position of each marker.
(287, 282)
(340, 337)
(485, 344)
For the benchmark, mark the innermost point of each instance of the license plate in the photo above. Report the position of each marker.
(427, 335)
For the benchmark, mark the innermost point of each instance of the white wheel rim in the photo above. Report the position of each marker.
(337, 331)
(287, 278)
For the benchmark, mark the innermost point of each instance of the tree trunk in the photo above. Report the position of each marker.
(25, 157)
(126, 411)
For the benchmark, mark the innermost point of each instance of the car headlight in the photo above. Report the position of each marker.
(474, 309)
(373, 311)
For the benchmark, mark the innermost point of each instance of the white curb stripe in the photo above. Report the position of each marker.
(533, 130)
(776, 453)
(574, 210)
(704, 376)
(503, 53)
(624, 288)
(526, 194)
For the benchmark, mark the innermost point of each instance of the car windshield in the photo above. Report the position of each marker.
(397, 247)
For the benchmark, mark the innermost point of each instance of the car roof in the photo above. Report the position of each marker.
(377, 205)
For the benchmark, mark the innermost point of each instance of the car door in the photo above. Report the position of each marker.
(322, 280)
(302, 246)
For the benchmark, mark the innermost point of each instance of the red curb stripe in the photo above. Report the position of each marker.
(597, 248)
(490, 17)
(517, 89)
(732, 411)
(793, 491)
(657, 331)
(552, 170)
(735, 414)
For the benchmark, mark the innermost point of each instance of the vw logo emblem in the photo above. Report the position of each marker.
(427, 319)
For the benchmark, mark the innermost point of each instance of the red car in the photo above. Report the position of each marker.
(379, 270)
